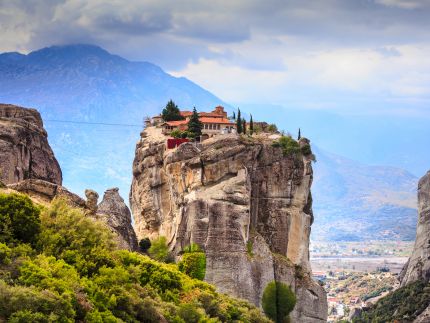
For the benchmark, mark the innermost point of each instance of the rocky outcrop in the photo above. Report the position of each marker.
(24, 149)
(45, 192)
(115, 212)
(241, 200)
(418, 265)
(91, 203)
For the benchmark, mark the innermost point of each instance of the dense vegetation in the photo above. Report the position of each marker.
(193, 262)
(291, 147)
(69, 270)
(403, 305)
(278, 301)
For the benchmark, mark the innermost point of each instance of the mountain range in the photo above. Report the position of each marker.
(93, 104)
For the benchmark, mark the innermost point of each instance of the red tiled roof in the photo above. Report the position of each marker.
(186, 113)
(176, 123)
(216, 120)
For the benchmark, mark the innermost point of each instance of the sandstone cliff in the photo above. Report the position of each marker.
(418, 265)
(245, 203)
(24, 149)
(118, 217)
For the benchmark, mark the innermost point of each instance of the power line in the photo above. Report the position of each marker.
(94, 123)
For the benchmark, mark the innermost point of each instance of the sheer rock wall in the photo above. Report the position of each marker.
(245, 203)
(24, 149)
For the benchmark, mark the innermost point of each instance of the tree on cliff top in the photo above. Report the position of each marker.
(238, 122)
(194, 124)
(171, 112)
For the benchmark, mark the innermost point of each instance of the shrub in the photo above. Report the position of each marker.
(288, 144)
(272, 128)
(176, 133)
(278, 301)
(5, 253)
(159, 250)
(193, 264)
(19, 219)
(79, 240)
(144, 244)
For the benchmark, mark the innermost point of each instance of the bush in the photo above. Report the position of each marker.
(278, 301)
(5, 253)
(79, 240)
(288, 144)
(19, 219)
(144, 244)
(159, 250)
(193, 264)
(176, 133)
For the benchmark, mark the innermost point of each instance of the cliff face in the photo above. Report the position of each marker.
(24, 149)
(418, 266)
(248, 206)
(118, 217)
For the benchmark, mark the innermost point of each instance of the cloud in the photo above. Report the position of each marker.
(249, 50)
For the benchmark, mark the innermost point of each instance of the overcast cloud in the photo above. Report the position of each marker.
(308, 53)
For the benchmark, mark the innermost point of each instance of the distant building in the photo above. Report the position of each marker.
(215, 122)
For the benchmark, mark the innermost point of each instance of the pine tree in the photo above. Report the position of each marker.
(300, 135)
(171, 112)
(251, 125)
(194, 124)
(238, 122)
(244, 126)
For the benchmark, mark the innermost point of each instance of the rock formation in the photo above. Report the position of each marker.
(118, 217)
(24, 149)
(241, 200)
(418, 265)
(45, 191)
(91, 203)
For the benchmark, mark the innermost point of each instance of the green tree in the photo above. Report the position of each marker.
(194, 124)
(171, 112)
(234, 115)
(300, 135)
(144, 244)
(193, 262)
(19, 219)
(244, 125)
(239, 122)
(278, 301)
(159, 249)
(251, 125)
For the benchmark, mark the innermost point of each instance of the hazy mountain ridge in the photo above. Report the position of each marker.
(361, 202)
(86, 83)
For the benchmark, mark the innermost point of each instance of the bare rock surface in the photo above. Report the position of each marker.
(241, 200)
(45, 191)
(91, 203)
(418, 265)
(118, 217)
(24, 149)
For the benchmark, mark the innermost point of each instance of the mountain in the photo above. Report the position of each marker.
(355, 201)
(86, 83)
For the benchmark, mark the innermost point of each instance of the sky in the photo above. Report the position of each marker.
(362, 57)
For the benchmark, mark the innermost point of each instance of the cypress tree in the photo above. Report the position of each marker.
(251, 125)
(234, 115)
(194, 124)
(299, 136)
(244, 125)
(238, 122)
(171, 112)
